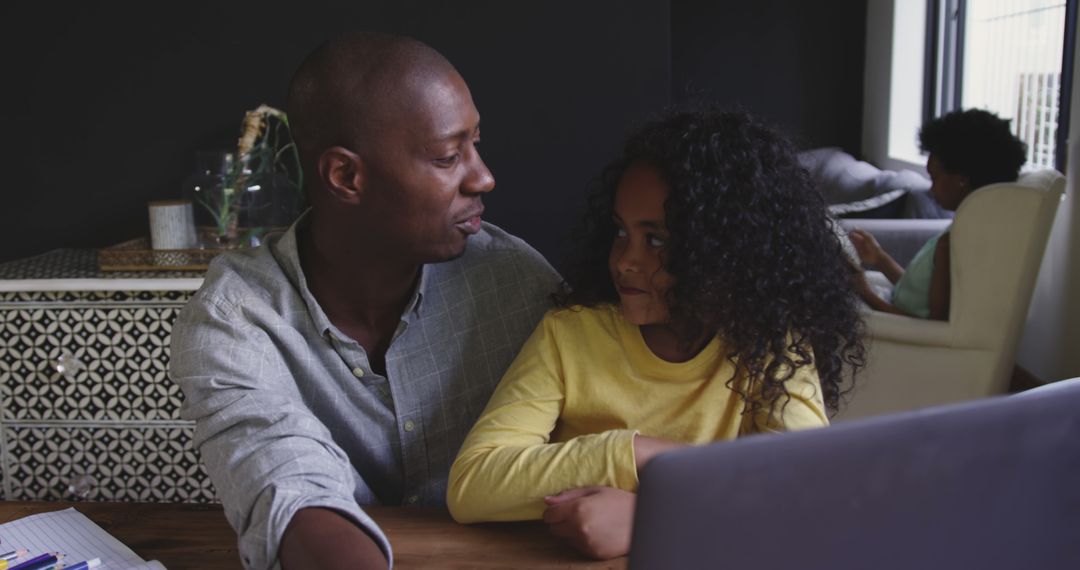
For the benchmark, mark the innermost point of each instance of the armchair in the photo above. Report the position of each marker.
(998, 238)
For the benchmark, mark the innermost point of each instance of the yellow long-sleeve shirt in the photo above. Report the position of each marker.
(566, 412)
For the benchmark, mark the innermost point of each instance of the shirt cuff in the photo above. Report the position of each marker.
(625, 463)
(285, 504)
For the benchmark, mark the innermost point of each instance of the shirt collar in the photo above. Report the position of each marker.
(286, 250)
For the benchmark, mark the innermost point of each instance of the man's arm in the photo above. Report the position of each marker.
(266, 454)
(321, 538)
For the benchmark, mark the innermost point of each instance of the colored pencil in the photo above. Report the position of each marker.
(87, 565)
(9, 556)
(39, 562)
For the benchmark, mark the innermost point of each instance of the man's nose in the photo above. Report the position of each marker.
(479, 179)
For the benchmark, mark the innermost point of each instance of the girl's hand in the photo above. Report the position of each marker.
(596, 520)
(869, 250)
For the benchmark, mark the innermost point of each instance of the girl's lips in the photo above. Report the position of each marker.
(629, 291)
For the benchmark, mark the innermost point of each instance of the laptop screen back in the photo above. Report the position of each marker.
(989, 484)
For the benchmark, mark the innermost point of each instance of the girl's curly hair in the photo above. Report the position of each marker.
(754, 254)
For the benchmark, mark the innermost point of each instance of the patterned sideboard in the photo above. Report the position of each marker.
(85, 401)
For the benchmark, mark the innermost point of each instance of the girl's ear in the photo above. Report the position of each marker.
(342, 173)
(963, 182)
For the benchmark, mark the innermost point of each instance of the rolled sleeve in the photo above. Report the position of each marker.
(267, 454)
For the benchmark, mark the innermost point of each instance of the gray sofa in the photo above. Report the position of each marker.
(894, 206)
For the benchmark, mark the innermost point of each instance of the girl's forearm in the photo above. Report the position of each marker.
(878, 304)
(892, 270)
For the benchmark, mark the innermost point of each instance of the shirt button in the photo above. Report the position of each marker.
(413, 499)
(358, 372)
(409, 425)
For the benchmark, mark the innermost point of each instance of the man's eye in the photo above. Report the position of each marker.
(656, 241)
(447, 160)
(620, 233)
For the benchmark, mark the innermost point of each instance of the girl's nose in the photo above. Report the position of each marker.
(628, 260)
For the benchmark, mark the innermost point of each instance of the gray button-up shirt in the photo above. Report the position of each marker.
(289, 413)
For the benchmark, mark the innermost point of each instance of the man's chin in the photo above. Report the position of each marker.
(449, 253)
(452, 257)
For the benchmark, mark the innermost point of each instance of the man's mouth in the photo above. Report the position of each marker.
(470, 224)
(629, 291)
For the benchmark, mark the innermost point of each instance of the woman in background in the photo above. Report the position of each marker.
(968, 150)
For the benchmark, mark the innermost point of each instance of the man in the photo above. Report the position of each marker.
(342, 363)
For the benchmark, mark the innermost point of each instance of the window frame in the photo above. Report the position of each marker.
(944, 67)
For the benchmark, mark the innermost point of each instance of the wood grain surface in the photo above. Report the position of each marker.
(194, 536)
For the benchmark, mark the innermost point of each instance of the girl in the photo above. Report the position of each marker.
(967, 150)
(712, 300)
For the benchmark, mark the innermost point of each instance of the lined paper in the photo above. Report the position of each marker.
(77, 537)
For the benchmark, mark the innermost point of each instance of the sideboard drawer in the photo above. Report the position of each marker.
(85, 396)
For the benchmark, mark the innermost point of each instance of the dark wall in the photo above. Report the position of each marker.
(105, 104)
(797, 63)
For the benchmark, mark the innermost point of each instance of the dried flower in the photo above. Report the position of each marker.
(254, 125)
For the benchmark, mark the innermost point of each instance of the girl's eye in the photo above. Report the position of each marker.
(447, 160)
(655, 241)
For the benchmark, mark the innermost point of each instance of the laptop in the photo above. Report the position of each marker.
(988, 484)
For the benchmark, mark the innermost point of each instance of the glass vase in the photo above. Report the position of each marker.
(236, 206)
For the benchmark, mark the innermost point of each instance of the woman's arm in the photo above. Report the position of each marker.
(872, 254)
(872, 299)
(941, 280)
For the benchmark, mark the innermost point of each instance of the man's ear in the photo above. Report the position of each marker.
(342, 174)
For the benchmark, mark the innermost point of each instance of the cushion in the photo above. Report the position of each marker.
(853, 187)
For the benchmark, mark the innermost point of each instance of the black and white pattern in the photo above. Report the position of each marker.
(139, 463)
(56, 264)
(123, 352)
(112, 415)
(75, 264)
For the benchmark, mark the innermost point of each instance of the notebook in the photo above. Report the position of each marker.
(69, 532)
(988, 484)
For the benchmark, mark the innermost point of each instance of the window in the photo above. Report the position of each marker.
(1005, 56)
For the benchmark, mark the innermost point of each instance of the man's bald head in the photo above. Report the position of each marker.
(348, 88)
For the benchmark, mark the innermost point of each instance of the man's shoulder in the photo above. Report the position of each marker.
(493, 240)
(507, 254)
(240, 277)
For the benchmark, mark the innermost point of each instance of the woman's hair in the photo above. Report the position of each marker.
(754, 255)
(975, 143)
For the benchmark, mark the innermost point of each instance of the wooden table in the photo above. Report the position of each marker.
(197, 536)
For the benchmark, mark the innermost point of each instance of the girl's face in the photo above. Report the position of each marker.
(637, 254)
(947, 188)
